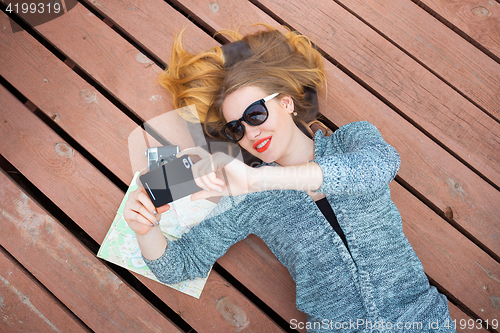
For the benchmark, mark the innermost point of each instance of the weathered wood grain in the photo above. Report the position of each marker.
(154, 25)
(478, 19)
(459, 316)
(25, 306)
(420, 95)
(449, 258)
(69, 270)
(91, 200)
(76, 106)
(425, 166)
(121, 69)
(93, 134)
(457, 61)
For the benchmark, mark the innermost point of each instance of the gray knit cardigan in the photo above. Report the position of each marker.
(380, 286)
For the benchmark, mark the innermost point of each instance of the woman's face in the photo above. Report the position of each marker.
(278, 127)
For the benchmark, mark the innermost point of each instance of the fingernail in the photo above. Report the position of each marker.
(154, 212)
(219, 191)
(206, 189)
(157, 222)
(152, 225)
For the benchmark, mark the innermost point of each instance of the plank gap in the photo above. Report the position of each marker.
(455, 301)
(135, 118)
(28, 273)
(457, 30)
(124, 34)
(253, 298)
(196, 20)
(85, 76)
(33, 33)
(14, 91)
(65, 136)
(418, 61)
(126, 276)
(381, 97)
(447, 217)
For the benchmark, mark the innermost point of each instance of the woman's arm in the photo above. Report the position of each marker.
(307, 177)
(195, 252)
(365, 163)
(152, 244)
(142, 217)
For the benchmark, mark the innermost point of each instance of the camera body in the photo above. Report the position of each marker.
(169, 178)
(157, 156)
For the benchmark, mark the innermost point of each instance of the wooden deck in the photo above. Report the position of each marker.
(426, 73)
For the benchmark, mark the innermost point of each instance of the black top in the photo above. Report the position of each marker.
(327, 210)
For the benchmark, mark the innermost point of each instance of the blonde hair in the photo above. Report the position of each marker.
(284, 63)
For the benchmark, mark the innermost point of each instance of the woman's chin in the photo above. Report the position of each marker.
(267, 159)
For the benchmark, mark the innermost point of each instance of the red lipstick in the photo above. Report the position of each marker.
(264, 148)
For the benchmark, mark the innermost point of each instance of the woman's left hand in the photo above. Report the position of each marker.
(207, 173)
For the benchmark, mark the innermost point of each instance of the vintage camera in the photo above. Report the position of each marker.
(170, 181)
(157, 156)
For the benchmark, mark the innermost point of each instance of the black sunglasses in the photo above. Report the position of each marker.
(254, 115)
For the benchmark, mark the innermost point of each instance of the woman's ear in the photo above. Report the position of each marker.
(287, 103)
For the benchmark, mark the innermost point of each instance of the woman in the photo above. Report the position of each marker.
(321, 203)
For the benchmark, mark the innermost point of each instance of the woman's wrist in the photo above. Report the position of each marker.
(306, 177)
(152, 244)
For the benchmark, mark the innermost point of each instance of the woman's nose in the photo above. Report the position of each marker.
(251, 132)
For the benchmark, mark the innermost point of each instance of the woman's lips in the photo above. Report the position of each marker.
(264, 148)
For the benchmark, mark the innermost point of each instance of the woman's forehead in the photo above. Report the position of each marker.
(235, 103)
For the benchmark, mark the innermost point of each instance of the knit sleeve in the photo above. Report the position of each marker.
(363, 161)
(195, 252)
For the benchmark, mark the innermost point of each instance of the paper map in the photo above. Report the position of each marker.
(121, 248)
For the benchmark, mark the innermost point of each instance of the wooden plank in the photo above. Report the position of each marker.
(450, 56)
(75, 105)
(80, 125)
(461, 318)
(478, 19)
(425, 166)
(25, 306)
(228, 257)
(448, 257)
(252, 263)
(154, 25)
(432, 104)
(69, 270)
(123, 70)
(90, 200)
(117, 21)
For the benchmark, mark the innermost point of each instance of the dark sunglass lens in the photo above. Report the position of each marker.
(234, 130)
(256, 115)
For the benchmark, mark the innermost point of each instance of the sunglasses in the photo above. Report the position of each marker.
(254, 115)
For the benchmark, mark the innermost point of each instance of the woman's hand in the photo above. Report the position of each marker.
(208, 175)
(140, 213)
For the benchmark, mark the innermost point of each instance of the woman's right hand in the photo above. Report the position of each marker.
(140, 213)
(240, 177)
